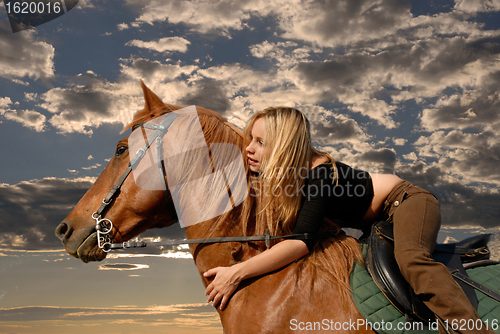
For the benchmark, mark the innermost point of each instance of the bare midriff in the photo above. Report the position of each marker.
(382, 187)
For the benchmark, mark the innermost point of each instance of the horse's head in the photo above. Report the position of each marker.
(133, 209)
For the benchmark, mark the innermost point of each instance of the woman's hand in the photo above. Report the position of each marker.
(221, 289)
(227, 279)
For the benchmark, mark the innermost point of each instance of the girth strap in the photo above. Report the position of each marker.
(476, 285)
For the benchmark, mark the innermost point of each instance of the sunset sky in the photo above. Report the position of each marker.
(404, 87)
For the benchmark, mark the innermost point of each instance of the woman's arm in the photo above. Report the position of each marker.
(227, 279)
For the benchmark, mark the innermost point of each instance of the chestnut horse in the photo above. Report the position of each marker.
(301, 296)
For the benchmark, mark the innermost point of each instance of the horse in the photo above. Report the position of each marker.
(300, 296)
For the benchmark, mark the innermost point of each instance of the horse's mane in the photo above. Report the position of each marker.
(332, 258)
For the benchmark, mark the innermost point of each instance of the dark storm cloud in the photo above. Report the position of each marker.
(356, 19)
(152, 72)
(209, 95)
(75, 104)
(338, 129)
(28, 118)
(418, 59)
(470, 156)
(88, 101)
(374, 78)
(460, 204)
(470, 109)
(30, 212)
(385, 160)
(337, 72)
(145, 67)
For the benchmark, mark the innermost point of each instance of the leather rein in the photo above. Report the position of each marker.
(104, 226)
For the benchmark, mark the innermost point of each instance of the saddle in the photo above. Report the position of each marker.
(457, 257)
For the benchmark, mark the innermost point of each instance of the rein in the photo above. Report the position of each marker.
(265, 237)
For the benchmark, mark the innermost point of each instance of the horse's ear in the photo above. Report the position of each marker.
(152, 101)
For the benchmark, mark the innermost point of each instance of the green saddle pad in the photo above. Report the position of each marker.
(384, 318)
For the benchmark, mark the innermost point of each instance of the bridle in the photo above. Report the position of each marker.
(104, 226)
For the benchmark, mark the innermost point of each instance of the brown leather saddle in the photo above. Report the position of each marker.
(457, 257)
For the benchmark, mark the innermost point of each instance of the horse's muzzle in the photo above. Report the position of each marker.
(80, 243)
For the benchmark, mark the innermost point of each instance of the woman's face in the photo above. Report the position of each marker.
(255, 149)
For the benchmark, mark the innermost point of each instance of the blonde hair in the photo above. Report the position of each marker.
(288, 152)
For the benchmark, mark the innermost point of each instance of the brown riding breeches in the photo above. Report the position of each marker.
(416, 218)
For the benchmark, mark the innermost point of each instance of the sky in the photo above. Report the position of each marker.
(390, 86)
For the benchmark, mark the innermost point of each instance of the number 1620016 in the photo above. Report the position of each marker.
(33, 7)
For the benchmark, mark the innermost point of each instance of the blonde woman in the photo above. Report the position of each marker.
(303, 185)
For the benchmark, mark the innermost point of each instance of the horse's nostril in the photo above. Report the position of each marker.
(62, 230)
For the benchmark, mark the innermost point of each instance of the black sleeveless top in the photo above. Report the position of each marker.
(345, 201)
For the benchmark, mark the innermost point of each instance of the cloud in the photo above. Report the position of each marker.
(460, 204)
(165, 44)
(360, 70)
(97, 165)
(399, 141)
(4, 103)
(28, 118)
(90, 100)
(194, 316)
(122, 266)
(209, 95)
(473, 107)
(199, 15)
(287, 54)
(476, 6)
(334, 23)
(22, 55)
(329, 128)
(79, 107)
(469, 157)
(380, 160)
(327, 24)
(122, 26)
(154, 71)
(375, 83)
(31, 210)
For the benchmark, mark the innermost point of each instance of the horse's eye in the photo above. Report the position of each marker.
(121, 150)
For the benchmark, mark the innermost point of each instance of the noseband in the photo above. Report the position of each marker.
(104, 226)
